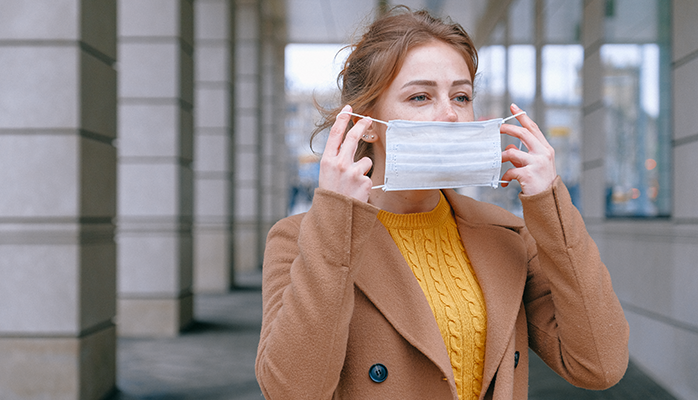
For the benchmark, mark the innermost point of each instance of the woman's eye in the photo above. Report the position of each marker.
(462, 99)
(420, 97)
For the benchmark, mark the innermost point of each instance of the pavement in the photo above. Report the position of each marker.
(214, 359)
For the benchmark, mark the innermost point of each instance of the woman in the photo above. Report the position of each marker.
(427, 294)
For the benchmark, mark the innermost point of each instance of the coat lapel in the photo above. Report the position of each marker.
(388, 282)
(498, 256)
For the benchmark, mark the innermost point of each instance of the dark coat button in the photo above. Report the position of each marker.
(516, 359)
(378, 373)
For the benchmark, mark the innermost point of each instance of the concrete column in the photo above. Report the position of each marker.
(155, 174)
(214, 161)
(685, 76)
(274, 152)
(507, 64)
(58, 174)
(247, 125)
(539, 42)
(260, 149)
(593, 180)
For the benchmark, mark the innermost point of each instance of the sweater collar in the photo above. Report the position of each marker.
(424, 220)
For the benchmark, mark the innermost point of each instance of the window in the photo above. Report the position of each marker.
(636, 90)
(508, 73)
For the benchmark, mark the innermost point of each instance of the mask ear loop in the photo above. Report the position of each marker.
(374, 120)
(363, 116)
(514, 116)
(520, 142)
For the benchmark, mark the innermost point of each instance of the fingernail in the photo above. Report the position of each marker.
(346, 108)
(514, 106)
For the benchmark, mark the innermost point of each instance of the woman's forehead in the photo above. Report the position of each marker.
(432, 63)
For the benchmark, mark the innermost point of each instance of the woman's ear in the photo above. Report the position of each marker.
(371, 132)
(371, 135)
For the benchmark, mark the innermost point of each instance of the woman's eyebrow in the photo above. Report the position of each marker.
(419, 82)
(425, 82)
(462, 82)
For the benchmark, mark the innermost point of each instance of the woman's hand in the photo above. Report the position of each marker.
(534, 170)
(338, 171)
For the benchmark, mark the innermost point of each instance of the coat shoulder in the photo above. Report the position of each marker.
(290, 223)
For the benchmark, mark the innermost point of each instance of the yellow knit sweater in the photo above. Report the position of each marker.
(432, 247)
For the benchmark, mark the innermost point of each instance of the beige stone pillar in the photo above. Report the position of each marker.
(274, 152)
(155, 182)
(247, 125)
(58, 180)
(214, 161)
(685, 93)
(593, 115)
(260, 151)
(539, 106)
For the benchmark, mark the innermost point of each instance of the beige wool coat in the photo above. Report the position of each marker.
(339, 297)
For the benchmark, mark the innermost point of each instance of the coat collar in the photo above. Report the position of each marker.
(498, 257)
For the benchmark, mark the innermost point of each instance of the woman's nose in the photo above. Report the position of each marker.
(447, 113)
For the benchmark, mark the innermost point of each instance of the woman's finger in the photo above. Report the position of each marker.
(529, 139)
(509, 176)
(528, 133)
(351, 142)
(334, 141)
(515, 156)
(528, 124)
(364, 165)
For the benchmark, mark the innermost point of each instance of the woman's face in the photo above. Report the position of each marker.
(434, 84)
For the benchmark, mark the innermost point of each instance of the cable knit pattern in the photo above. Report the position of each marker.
(433, 249)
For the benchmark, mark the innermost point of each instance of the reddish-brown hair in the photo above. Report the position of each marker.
(376, 59)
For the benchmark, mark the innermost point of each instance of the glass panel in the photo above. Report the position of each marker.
(634, 157)
(562, 95)
(508, 73)
(522, 76)
(636, 97)
(490, 84)
(311, 75)
(492, 100)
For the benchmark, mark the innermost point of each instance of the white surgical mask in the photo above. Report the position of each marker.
(439, 155)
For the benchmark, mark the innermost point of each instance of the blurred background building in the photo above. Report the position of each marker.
(147, 146)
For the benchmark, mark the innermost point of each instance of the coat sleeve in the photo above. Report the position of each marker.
(308, 297)
(575, 321)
